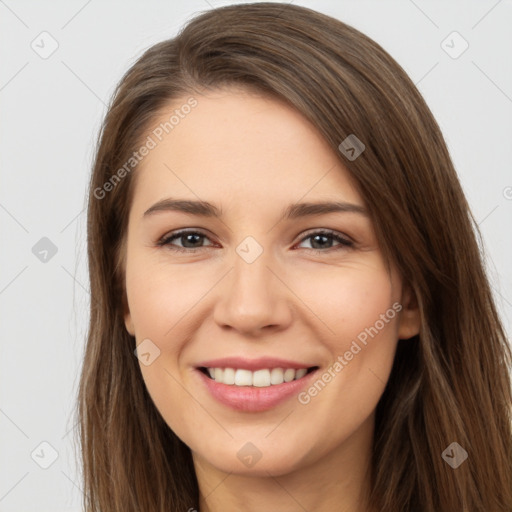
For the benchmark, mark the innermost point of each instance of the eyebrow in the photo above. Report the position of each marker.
(293, 211)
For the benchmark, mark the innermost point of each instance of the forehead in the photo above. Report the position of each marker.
(241, 147)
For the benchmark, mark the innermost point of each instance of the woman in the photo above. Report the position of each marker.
(289, 306)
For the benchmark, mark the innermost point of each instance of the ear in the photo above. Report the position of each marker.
(127, 316)
(410, 321)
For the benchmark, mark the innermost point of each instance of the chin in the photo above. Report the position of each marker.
(250, 461)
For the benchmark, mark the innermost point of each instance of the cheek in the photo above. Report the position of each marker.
(358, 308)
(348, 300)
(159, 296)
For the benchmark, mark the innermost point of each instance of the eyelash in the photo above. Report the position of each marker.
(167, 239)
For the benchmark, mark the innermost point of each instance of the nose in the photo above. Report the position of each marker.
(253, 298)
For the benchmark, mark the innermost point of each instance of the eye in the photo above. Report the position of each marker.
(190, 239)
(322, 240)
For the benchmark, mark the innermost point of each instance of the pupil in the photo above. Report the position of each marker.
(315, 239)
(187, 237)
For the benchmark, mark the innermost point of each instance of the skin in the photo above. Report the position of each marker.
(251, 156)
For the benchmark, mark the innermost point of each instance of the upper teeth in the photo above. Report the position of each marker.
(259, 378)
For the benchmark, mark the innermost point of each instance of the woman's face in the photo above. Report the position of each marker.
(262, 284)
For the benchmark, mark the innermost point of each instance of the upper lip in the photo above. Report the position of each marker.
(253, 364)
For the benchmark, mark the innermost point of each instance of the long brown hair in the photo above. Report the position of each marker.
(451, 383)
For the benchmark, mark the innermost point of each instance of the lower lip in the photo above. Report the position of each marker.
(251, 398)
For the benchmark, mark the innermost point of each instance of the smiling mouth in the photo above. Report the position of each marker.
(262, 378)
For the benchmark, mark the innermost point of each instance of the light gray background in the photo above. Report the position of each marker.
(51, 112)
